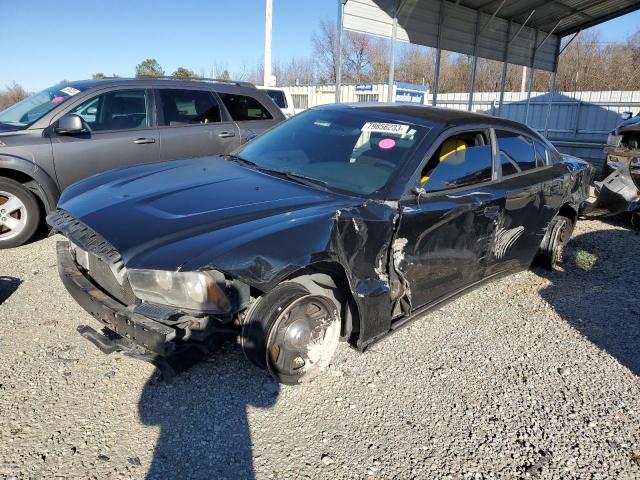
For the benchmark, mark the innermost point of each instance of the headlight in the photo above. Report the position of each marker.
(201, 291)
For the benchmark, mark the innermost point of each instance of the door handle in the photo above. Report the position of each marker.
(492, 212)
(226, 134)
(142, 141)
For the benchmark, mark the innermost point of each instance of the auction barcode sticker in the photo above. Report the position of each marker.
(385, 128)
(70, 91)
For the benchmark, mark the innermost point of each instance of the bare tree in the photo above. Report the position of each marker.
(325, 51)
(298, 70)
(11, 94)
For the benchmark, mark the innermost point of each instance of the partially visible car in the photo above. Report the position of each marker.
(76, 129)
(282, 98)
(343, 223)
(623, 146)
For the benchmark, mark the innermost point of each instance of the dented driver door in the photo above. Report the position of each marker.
(442, 241)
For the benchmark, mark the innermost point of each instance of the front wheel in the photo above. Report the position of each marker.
(291, 333)
(19, 214)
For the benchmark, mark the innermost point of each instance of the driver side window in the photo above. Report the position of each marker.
(117, 110)
(461, 160)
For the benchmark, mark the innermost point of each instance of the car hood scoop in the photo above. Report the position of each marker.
(144, 207)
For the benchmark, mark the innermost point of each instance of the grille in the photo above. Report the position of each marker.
(83, 236)
(105, 265)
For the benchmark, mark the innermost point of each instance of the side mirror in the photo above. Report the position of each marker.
(69, 124)
(627, 115)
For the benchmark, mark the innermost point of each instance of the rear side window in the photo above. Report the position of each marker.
(278, 98)
(242, 108)
(516, 152)
(461, 160)
(542, 156)
(117, 110)
(188, 107)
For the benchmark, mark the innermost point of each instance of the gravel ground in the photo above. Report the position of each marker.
(536, 375)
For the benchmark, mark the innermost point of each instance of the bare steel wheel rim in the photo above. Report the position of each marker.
(13, 216)
(304, 338)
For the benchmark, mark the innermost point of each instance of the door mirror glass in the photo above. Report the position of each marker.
(69, 124)
(627, 115)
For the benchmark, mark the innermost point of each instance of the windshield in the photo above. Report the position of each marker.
(27, 111)
(350, 150)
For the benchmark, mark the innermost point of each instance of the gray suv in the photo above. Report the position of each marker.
(73, 130)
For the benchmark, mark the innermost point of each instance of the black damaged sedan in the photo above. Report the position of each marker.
(341, 224)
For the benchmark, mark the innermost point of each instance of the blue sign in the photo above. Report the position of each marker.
(364, 87)
(408, 96)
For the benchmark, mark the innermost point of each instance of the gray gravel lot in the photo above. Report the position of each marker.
(536, 375)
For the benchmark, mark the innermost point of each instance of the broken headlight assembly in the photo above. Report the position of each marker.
(200, 291)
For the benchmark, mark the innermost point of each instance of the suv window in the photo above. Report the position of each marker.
(243, 108)
(118, 110)
(464, 159)
(188, 107)
(516, 152)
(278, 97)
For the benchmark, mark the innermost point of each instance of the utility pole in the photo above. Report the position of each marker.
(266, 80)
(523, 85)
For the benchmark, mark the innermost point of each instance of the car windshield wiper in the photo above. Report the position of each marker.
(296, 177)
(241, 160)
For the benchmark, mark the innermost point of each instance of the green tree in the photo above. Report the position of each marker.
(182, 72)
(98, 76)
(225, 75)
(149, 68)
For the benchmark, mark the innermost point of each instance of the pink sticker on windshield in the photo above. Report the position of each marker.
(387, 143)
(57, 99)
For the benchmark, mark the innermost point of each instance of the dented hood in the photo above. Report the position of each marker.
(165, 215)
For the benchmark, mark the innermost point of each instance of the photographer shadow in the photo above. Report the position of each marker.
(602, 302)
(202, 415)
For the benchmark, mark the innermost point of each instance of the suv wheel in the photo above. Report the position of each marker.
(291, 333)
(19, 214)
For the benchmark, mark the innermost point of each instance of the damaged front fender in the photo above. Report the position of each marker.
(616, 194)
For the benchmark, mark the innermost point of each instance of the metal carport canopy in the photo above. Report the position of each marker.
(455, 26)
(521, 32)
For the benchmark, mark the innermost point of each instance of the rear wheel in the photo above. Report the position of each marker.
(551, 250)
(291, 333)
(19, 214)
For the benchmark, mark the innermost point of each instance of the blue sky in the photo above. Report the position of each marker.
(45, 42)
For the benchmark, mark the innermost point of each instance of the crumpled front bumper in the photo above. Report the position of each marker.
(616, 194)
(117, 317)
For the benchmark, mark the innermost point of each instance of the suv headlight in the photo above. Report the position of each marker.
(201, 291)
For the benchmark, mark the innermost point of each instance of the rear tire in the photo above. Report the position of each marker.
(19, 214)
(551, 250)
(291, 333)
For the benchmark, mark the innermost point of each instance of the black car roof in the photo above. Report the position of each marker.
(431, 116)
